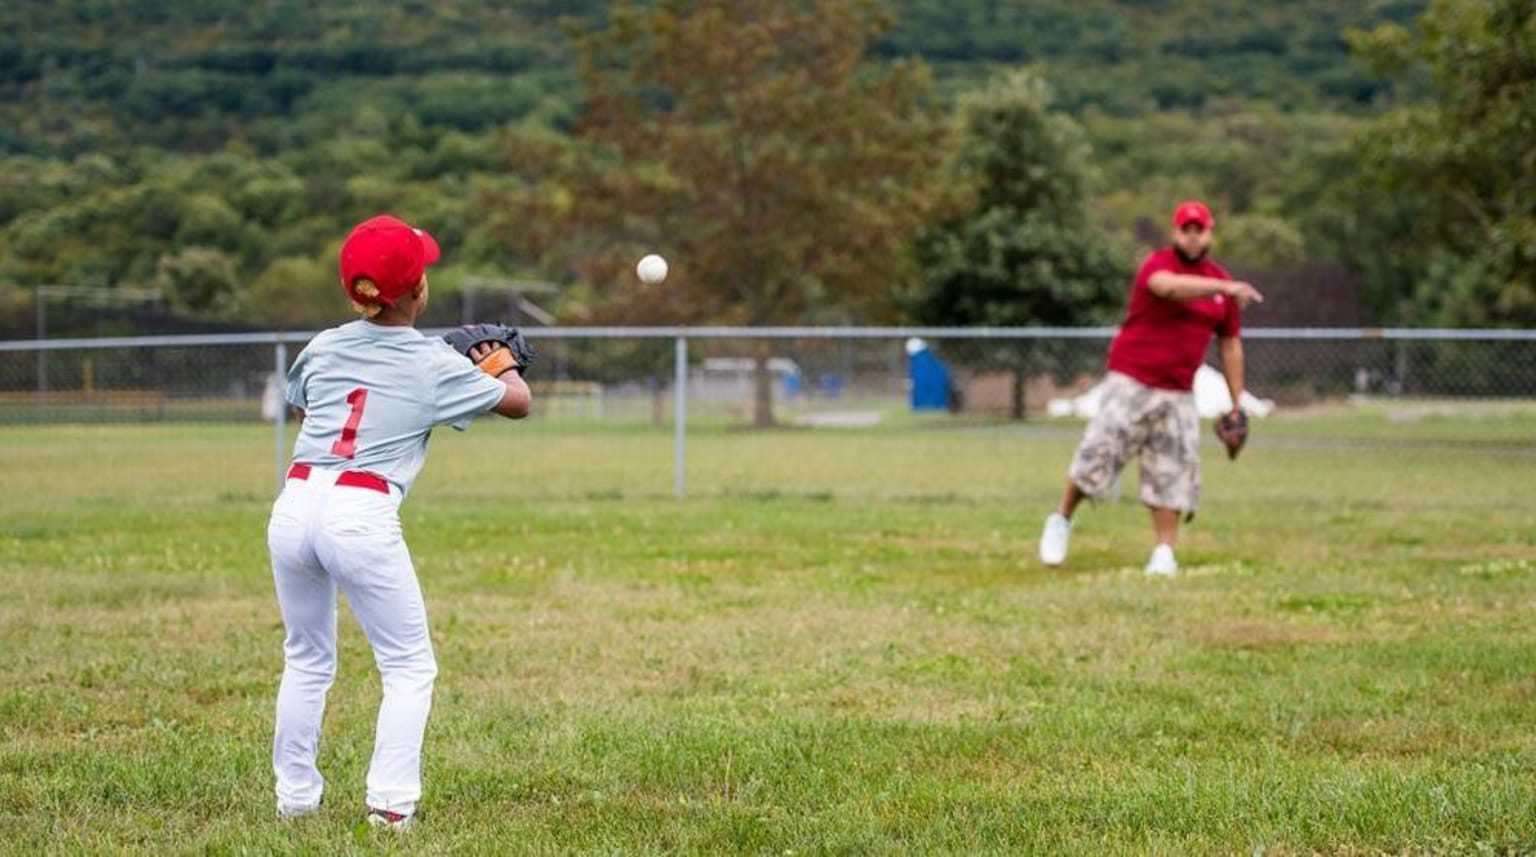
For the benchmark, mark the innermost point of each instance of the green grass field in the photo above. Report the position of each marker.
(839, 643)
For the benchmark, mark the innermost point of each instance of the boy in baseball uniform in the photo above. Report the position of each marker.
(370, 392)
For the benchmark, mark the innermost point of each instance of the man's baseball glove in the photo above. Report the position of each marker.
(512, 351)
(1232, 430)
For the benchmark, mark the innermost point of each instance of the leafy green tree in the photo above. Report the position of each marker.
(1260, 240)
(198, 280)
(1450, 186)
(208, 221)
(294, 293)
(273, 198)
(1026, 253)
(756, 144)
(1254, 164)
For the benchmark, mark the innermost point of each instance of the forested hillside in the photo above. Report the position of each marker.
(83, 75)
(189, 147)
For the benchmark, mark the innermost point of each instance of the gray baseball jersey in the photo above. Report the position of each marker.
(372, 394)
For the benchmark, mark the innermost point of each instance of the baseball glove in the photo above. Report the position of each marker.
(1232, 430)
(513, 351)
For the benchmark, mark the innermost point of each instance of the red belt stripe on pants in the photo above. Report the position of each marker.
(352, 478)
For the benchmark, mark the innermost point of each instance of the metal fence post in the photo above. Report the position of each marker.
(40, 296)
(679, 415)
(280, 369)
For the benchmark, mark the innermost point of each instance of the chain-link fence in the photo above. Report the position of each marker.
(608, 401)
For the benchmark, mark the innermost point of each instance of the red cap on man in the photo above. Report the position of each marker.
(389, 252)
(1193, 211)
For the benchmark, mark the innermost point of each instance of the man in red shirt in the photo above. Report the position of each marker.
(1179, 300)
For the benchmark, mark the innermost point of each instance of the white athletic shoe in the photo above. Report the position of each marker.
(1053, 539)
(392, 821)
(1162, 563)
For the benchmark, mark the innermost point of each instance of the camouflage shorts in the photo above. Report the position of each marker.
(1161, 426)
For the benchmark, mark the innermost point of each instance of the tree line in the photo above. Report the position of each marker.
(801, 162)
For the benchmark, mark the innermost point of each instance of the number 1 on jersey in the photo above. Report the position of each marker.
(346, 447)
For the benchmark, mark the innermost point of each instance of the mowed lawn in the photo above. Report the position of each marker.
(839, 643)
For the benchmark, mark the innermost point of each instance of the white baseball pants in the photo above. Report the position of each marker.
(321, 536)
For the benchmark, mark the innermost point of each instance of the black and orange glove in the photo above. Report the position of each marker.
(510, 350)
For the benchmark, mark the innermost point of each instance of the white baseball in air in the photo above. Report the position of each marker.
(652, 269)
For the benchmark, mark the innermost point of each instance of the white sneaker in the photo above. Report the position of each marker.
(393, 821)
(1162, 563)
(1053, 539)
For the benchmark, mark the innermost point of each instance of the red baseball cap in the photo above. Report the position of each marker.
(1193, 211)
(388, 251)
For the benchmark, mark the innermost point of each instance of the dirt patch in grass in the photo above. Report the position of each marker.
(1258, 634)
